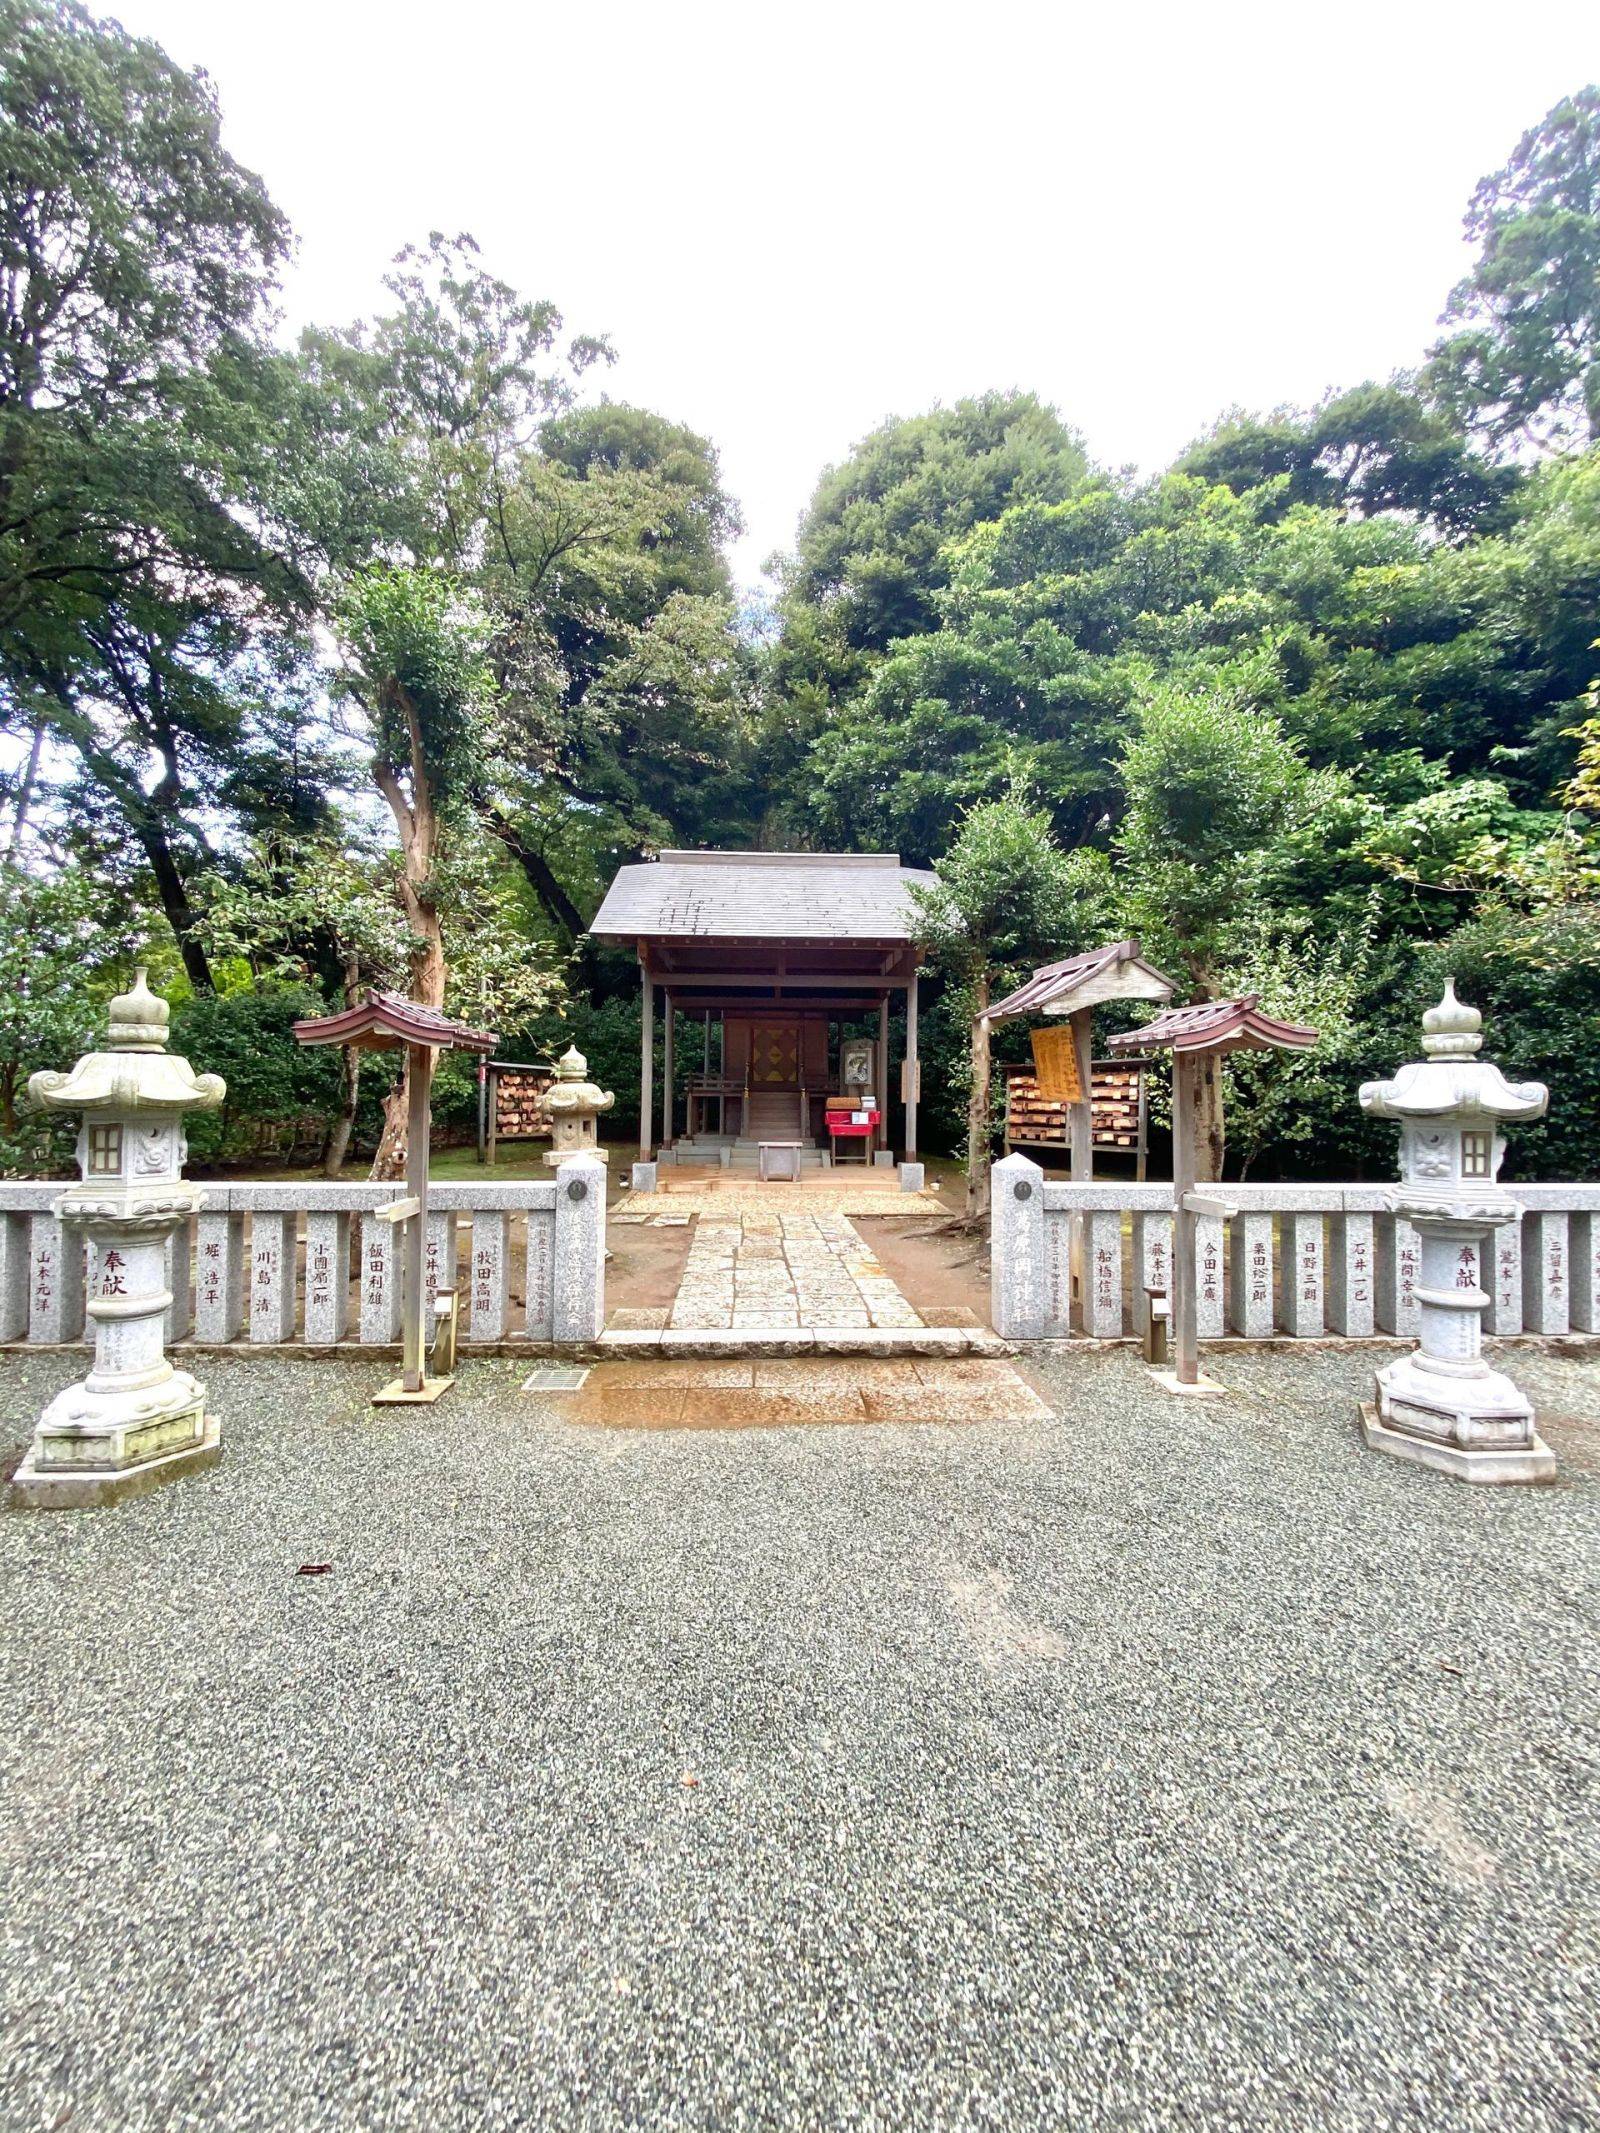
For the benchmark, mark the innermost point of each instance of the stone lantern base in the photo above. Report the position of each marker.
(94, 1449)
(1478, 1427)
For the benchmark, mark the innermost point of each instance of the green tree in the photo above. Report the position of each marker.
(1522, 359)
(1001, 902)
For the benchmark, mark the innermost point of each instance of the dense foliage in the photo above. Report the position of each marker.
(369, 659)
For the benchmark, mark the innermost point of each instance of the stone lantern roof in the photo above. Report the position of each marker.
(1451, 1082)
(137, 1073)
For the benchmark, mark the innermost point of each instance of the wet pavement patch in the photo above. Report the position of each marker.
(733, 1394)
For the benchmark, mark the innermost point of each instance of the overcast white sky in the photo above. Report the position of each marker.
(796, 220)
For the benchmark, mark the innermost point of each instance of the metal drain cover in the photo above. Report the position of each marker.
(556, 1377)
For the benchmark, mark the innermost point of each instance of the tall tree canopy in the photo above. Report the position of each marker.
(1522, 358)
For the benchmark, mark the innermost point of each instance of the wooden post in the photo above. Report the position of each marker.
(1185, 1126)
(419, 1121)
(883, 1070)
(494, 1115)
(911, 1066)
(666, 1070)
(1080, 1121)
(647, 1093)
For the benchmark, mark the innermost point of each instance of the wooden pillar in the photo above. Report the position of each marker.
(419, 1121)
(911, 1066)
(1185, 1127)
(647, 1092)
(1080, 1122)
(883, 1068)
(666, 1070)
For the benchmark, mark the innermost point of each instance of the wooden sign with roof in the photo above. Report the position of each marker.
(1200, 1031)
(384, 1022)
(1073, 988)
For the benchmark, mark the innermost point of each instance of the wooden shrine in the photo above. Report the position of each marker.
(774, 955)
(384, 1022)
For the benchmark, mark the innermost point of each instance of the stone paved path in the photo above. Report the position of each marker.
(785, 1270)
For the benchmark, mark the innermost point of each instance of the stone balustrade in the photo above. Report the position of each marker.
(1303, 1261)
(276, 1265)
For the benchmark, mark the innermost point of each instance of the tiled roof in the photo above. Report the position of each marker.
(1055, 982)
(384, 1020)
(1217, 1026)
(822, 896)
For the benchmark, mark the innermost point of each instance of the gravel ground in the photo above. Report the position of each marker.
(1156, 1765)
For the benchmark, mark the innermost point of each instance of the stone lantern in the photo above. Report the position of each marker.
(574, 1103)
(1442, 1405)
(135, 1420)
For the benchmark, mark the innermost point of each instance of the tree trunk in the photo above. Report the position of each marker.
(978, 1129)
(418, 826)
(1209, 1122)
(344, 1125)
(19, 820)
(174, 894)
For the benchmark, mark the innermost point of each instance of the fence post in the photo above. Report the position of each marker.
(1544, 1273)
(327, 1276)
(380, 1284)
(1300, 1275)
(13, 1277)
(1016, 1249)
(578, 1298)
(1250, 1306)
(55, 1281)
(272, 1270)
(488, 1285)
(1152, 1264)
(1399, 1260)
(1350, 1288)
(219, 1283)
(1585, 1247)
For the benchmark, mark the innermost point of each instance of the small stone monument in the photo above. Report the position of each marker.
(135, 1420)
(573, 1105)
(1442, 1405)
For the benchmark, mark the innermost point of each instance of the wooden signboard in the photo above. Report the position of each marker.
(1055, 1063)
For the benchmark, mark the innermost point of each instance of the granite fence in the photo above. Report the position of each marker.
(1303, 1261)
(312, 1264)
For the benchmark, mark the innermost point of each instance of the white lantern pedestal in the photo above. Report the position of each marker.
(135, 1420)
(1442, 1405)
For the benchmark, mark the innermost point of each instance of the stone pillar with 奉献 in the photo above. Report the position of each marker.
(135, 1420)
(1442, 1405)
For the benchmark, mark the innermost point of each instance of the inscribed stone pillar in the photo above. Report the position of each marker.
(1399, 1261)
(1017, 1303)
(219, 1278)
(380, 1283)
(1350, 1276)
(272, 1272)
(1585, 1253)
(13, 1277)
(1208, 1319)
(578, 1304)
(1152, 1263)
(538, 1272)
(1250, 1305)
(490, 1288)
(1503, 1281)
(1545, 1272)
(1300, 1277)
(327, 1276)
(55, 1281)
(1102, 1285)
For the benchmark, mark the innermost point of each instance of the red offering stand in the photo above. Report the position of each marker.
(852, 1118)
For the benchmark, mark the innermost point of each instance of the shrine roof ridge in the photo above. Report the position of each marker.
(821, 896)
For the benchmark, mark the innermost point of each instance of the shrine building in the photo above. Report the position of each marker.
(772, 953)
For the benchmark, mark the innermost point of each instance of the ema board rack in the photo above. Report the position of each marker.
(1033, 1121)
(516, 1105)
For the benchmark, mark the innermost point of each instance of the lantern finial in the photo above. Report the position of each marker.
(1452, 1030)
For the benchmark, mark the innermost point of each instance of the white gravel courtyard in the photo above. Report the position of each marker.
(1141, 1765)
